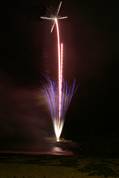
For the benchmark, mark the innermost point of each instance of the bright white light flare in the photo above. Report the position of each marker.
(51, 95)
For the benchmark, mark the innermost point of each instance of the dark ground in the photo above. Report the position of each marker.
(47, 166)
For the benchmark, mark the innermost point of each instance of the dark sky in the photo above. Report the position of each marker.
(27, 54)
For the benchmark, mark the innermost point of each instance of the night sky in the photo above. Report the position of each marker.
(28, 53)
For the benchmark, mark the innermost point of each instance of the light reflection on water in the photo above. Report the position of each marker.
(51, 147)
(56, 150)
(63, 147)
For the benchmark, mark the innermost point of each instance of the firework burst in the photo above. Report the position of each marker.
(52, 97)
(58, 94)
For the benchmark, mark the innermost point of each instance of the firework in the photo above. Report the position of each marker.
(58, 94)
(52, 97)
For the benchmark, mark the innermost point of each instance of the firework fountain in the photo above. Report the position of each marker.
(58, 94)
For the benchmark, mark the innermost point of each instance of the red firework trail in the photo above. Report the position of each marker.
(60, 69)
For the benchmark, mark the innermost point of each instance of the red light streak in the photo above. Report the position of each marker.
(60, 68)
